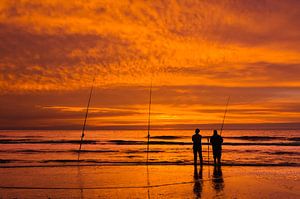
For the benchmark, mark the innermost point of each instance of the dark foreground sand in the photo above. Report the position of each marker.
(165, 182)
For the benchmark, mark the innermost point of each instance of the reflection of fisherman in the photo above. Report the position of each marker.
(216, 142)
(198, 182)
(217, 180)
(197, 146)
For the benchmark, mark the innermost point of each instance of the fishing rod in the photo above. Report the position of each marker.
(224, 115)
(149, 117)
(208, 158)
(208, 150)
(148, 137)
(86, 115)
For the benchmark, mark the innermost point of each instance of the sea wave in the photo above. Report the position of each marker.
(289, 142)
(133, 142)
(168, 137)
(92, 162)
(37, 141)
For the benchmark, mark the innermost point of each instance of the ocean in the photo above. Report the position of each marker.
(129, 147)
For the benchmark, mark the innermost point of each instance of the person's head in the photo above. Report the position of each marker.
(197, 131)
(215, 132)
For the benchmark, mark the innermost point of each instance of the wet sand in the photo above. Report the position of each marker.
(168, 181)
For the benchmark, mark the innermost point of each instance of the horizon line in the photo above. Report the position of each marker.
(232, 126)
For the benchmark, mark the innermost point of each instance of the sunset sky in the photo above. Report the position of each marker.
(197, 53)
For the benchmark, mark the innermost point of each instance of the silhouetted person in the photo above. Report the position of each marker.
(197, 147)
(216, 142)
(217, 180)
(198, 182)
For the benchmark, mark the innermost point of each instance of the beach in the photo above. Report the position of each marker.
(162, 181)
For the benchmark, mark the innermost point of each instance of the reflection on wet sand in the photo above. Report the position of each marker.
(80, 181)
(198, 182)
(217, 180)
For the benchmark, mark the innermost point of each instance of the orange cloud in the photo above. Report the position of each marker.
(189, 47)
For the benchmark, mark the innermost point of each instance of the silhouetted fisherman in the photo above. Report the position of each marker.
(197, 147)
(216, 142)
